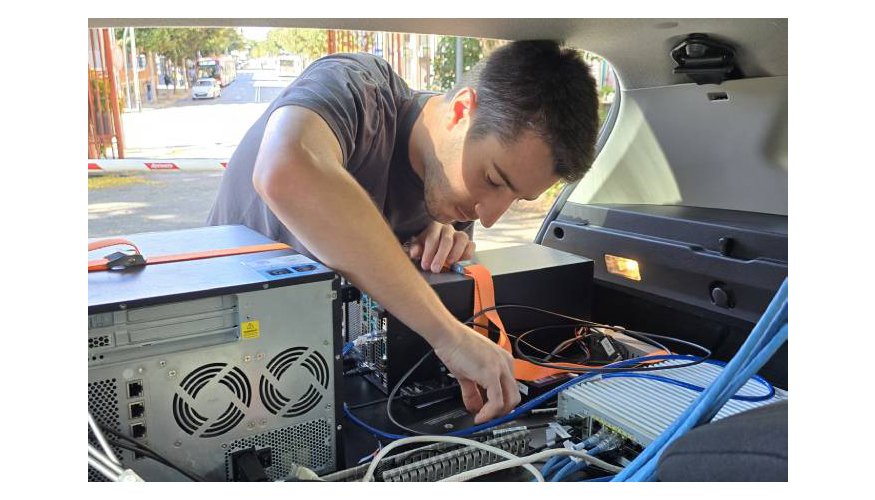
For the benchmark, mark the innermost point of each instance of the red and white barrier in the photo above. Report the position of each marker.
(141, 164)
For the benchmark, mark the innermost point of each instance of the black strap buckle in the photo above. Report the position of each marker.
(120, 260)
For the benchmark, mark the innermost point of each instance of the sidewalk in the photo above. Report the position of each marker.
(166, 97)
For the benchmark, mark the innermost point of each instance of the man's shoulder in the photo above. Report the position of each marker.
(375, 66)
(348, 59)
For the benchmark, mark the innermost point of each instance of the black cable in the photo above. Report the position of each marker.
(147, 451)
(609, 370)
(148, 454)
(644, 337)
(369, 403)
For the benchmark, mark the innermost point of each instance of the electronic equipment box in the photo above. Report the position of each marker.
(202, 359)
(531, 275)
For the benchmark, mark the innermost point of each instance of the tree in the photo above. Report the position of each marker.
(445, 60)
(263, 48)
(180, 44)
(309, 43)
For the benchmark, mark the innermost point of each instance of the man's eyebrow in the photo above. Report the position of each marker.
(504, 176)
(507, 181)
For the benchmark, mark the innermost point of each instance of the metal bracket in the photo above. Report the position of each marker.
(121, 260)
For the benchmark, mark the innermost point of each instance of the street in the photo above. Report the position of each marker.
(203, 128)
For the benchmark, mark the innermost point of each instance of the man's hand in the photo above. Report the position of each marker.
(439, 245)
(477, 363)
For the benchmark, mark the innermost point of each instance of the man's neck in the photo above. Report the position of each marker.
(425, 129)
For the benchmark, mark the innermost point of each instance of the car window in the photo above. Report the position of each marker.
(706, 146)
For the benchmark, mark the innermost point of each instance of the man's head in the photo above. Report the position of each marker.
(520, 120)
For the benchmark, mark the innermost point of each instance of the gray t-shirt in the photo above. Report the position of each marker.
(371, 111)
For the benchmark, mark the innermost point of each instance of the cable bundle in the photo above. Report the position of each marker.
(768, 335)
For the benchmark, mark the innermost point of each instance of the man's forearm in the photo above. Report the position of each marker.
(333, 216)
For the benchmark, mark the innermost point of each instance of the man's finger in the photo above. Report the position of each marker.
(415, 250)
(429, 245)
(471, 396)
(444, 248)
(511, 393)
(460, 244)
(468, 254)
(494, 403)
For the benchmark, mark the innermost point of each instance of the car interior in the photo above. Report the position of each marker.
(679, 229)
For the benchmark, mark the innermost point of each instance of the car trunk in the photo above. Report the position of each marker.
(706, 275)
(695, 191)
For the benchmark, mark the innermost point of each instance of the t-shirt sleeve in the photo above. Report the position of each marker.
(346, 94)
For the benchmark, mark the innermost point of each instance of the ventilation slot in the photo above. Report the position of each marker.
(316, 366)
(309, 444)
(95, 342)
(354, 324)
(103, 398)
(191, 421)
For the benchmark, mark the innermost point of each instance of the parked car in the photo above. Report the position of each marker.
(206, 88)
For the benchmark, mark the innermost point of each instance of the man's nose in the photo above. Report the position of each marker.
(489, 211)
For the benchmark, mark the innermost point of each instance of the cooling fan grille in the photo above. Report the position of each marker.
(314, 363)
(191, 421)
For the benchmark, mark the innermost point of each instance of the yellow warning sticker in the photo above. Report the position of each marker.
(249, 329)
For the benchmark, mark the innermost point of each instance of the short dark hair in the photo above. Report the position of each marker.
(543, 87)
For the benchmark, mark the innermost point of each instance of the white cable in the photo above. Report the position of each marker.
(102, 469)
(516, 462)
(445, 439)
(105, 460)
(102, 440)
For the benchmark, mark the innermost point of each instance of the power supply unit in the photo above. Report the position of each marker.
(202, 359)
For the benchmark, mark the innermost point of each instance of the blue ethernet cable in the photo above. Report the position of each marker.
(754, 399)
(775, 311)
(648, 471)
(643, 467)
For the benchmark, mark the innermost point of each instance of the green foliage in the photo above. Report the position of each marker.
(185, 43)
(605, 92)
(264, 48)
(309, 43)
(99, 91)
(445, 60)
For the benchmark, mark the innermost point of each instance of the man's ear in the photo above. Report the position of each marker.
(461, 108)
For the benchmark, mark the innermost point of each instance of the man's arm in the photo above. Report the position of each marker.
(299, 174)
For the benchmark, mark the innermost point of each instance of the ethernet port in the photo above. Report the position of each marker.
(137, 410)
(138, 430)
(135, 388)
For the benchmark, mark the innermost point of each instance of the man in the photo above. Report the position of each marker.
(348, 162)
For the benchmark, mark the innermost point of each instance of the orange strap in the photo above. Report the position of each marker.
(101, 264)
(484, 297)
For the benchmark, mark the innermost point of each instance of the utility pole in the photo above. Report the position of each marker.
(113, 96)
(125, 66)
(151, 59)
(135, 65)
(460, 60)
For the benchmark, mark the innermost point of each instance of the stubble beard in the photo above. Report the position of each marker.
(435, 184)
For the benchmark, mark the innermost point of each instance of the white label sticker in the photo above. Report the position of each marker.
(523, 388)
(609, 349)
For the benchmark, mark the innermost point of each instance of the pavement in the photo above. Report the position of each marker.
(162, 201)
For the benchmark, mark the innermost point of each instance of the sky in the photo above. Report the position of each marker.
(259, 34)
